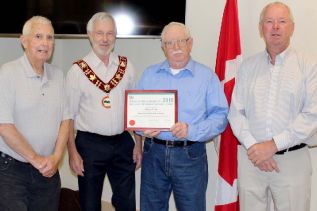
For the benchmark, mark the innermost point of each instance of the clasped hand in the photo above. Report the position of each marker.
(47, 166)
(261, 155)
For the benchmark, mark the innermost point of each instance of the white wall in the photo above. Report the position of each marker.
(203, 18)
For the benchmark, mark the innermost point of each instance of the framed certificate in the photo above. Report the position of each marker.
(150, 109)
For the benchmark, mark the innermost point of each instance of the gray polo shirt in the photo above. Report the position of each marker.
(34, 104)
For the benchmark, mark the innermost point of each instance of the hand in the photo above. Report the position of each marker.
(269, 166)
(76, 163)
(151, 133)
(50, 167)
(137, 154)
(261, 152)
(38, 161)
(180, 130)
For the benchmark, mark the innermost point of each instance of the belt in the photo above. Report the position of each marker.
(171, 143)
(3, 155)
(8, 157)
(99, 135)
(296, 147)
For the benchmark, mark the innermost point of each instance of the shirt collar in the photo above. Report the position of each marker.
(31, 73)
(280, 58)
(94, 60)
(165, 66)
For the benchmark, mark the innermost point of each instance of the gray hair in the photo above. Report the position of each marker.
(100, 16)
(275, 3)
(27, 27)
(186, 30)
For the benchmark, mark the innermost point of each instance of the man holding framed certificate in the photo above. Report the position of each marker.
(175, 159)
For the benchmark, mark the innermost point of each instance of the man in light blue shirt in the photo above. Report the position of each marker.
(176, 160)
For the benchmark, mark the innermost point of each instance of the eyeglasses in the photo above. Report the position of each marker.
(180, 43)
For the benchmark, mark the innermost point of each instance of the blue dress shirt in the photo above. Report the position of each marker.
(201, 100)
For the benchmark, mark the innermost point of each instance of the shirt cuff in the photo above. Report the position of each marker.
(248, 141)
(68, 117)
(191, 135)
(281, 141)
(6, 121)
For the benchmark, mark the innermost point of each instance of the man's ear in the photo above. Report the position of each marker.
(23, 41)
(164, 50)
(260, 30)
(89, 35)
(190, 43)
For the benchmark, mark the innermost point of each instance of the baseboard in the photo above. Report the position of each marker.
(106, 206)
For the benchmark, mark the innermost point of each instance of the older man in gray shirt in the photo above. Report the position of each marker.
(33, 125)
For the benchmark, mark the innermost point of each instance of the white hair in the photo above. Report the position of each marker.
(100, 16)
(27, 27)
(186, 30)
(275, 3)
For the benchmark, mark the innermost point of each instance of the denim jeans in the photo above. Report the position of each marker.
(183, 170)
(23, 188)
(111, 155)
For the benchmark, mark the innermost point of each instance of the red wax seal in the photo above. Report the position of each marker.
(131, 122)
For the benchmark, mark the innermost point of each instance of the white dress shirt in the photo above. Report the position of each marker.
(85, 98)
(275, 101)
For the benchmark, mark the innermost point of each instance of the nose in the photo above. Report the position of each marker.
(47, 40)
(276, 24)
(105, 37)
(176, 45)
(44, 42)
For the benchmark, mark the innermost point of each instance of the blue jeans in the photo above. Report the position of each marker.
(111, 155)
(183, 170)
(23, 188)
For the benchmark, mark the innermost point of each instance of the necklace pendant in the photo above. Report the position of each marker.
(106, 102)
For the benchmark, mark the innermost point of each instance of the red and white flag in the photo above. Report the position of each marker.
(228, 60)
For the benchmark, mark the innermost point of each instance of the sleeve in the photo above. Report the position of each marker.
(237, 115)
(140, 86)
(142, 81)
(72, 92)
(132, 75)
(7, 98)
(217, 110)
(305, 124)
(65, 106)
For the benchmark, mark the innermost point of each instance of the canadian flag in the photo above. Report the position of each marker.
(228, 60)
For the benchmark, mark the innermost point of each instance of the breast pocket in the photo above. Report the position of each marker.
(291, 93)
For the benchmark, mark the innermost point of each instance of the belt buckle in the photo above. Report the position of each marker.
(169, 143)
